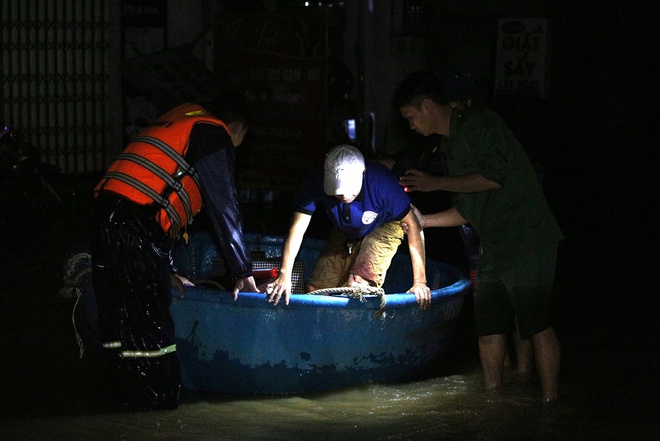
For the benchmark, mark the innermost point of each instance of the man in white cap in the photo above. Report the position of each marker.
(366, 205)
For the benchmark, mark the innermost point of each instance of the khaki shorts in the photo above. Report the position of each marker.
(370, 257)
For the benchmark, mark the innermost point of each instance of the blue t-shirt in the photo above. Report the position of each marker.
(381, 200)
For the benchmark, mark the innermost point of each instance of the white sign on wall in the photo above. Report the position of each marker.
(522, 54)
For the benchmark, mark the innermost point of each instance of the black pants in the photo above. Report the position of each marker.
(131, 279)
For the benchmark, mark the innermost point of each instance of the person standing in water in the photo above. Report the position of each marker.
(498, 193)
(184, 160)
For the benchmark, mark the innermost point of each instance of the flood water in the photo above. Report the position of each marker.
(608, 387)
(449, 407)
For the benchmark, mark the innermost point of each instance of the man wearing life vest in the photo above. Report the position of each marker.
(184, 160)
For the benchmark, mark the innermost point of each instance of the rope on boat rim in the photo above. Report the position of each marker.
(356, 292)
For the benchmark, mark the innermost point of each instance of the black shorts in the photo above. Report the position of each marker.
(518, 291)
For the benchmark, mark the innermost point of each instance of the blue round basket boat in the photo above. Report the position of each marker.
(315, 343)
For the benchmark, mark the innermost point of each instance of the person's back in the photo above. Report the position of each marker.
(148, 196)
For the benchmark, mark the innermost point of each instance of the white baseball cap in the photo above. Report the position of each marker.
(344, 168)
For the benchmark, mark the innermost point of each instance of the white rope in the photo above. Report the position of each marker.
(74, 278)
(357, 292)
(81, 345)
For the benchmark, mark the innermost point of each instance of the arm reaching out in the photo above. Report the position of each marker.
(418, 260)
(415, 180)
(447, 218)
(281, 286)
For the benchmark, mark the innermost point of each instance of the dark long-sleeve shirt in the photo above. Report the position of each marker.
(212, 154)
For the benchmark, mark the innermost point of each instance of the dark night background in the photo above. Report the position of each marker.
(595, 136)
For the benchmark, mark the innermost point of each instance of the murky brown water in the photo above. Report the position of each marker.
(608, 389)
(50, 394)
(450, 407)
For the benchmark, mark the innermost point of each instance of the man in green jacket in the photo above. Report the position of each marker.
(499, 194)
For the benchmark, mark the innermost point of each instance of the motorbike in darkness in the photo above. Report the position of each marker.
(30, 189)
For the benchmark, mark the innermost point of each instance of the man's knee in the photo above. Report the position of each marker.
(356, 279)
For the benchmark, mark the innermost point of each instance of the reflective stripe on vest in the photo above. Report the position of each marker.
(176, 157)
(174, 184)
(164, 203)
(153, 169)
(140, 354)
(184, 169)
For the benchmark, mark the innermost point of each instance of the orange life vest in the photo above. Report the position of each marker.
(153, 169)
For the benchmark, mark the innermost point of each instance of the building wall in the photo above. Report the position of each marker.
(450, 34)
(59, 79)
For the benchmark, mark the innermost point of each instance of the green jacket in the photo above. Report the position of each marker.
(513, 216)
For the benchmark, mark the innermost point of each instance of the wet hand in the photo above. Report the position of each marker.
(179, 282)
(422, 294)
(277, 289)
(246, 284)
(184, 280)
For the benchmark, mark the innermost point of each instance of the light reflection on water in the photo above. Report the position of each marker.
(47, 393)
(608, 390)
(449, 408)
